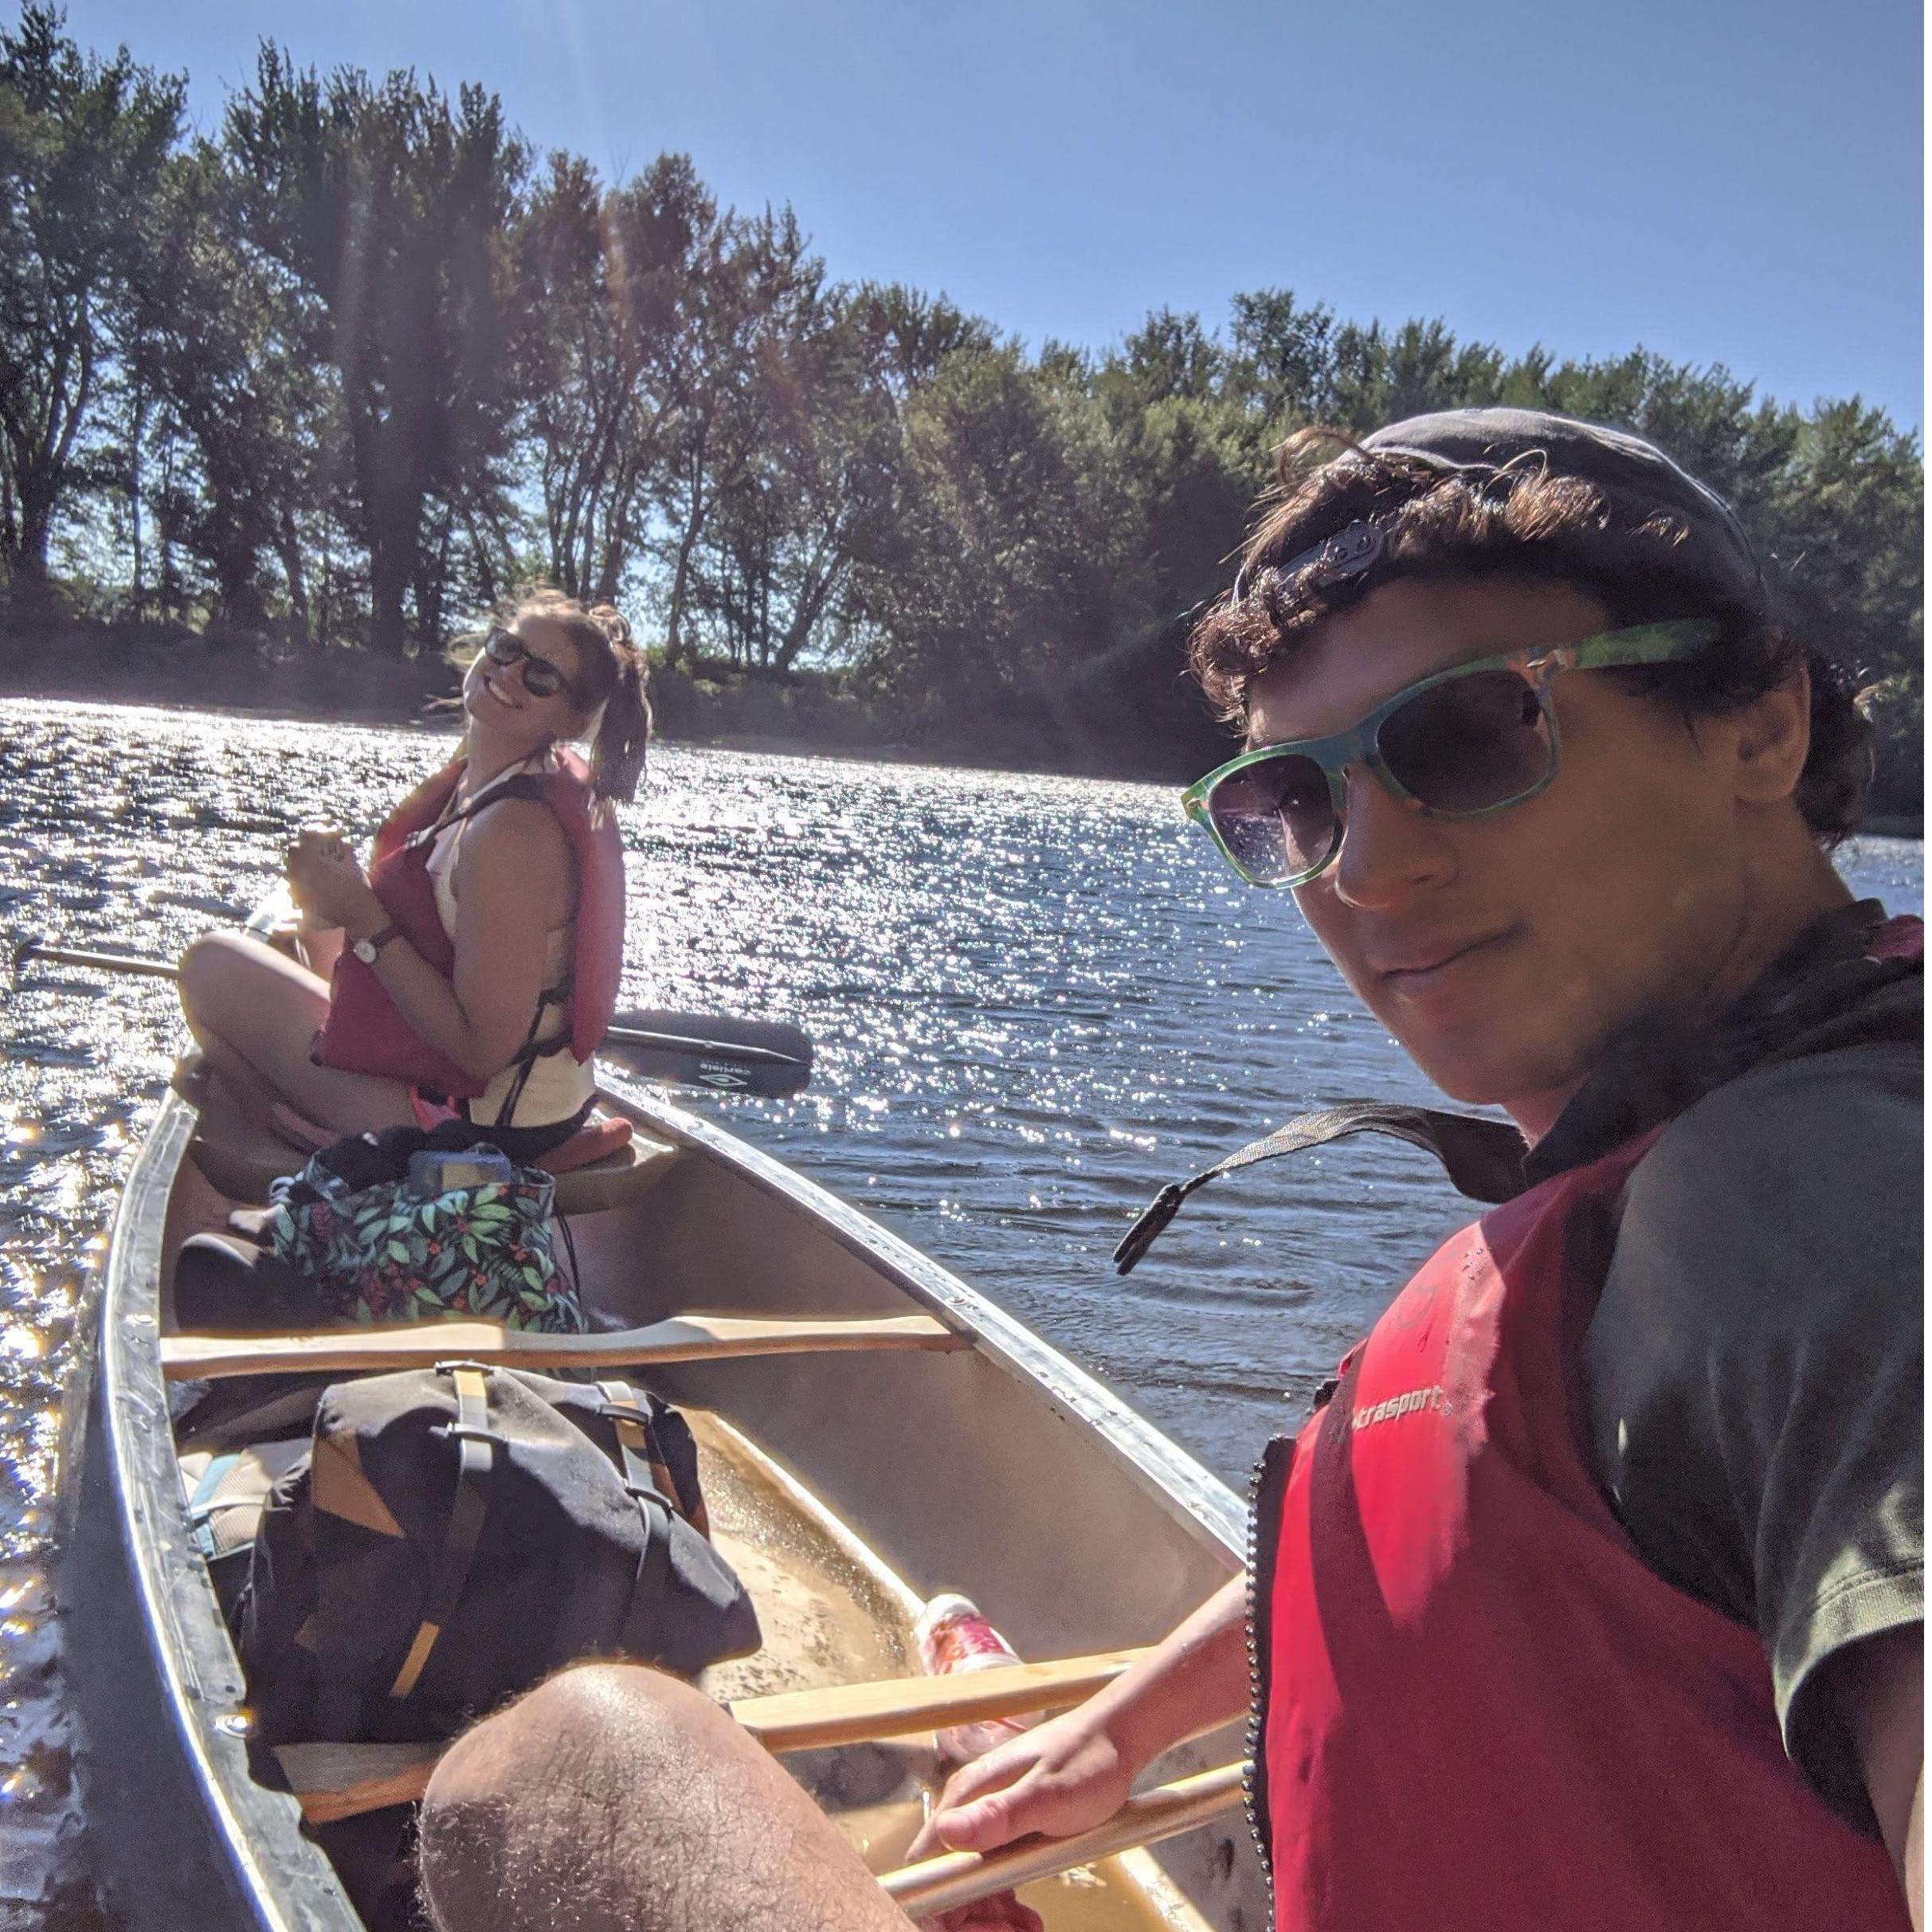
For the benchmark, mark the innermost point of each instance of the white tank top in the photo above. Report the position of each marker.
(559, 1085)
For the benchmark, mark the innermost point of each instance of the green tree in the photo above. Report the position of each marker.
(391, 206)
(1000, 564)
(82, 145)
(225, 351)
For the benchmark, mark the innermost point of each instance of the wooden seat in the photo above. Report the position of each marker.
(619, 1179)
(242, 1168)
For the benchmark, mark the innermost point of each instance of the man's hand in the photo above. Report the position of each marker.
(1062, 1777)
(1076, 1770)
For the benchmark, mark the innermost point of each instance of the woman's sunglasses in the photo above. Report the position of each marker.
(542, 679)
(1461, 744)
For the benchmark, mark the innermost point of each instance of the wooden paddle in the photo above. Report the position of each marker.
(955, 1878)
(730, 1056)
(339, 1781)
(422, 1345)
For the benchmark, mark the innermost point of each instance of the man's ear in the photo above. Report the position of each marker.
(1773, 738)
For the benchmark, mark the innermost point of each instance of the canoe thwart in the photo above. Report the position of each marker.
(421, 1345)
(898, 1706)
(339, 1781)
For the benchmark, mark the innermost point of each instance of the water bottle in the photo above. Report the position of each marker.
(953, 1636)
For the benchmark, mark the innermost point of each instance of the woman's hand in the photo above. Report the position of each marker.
(328, 884)
(1062, 1777)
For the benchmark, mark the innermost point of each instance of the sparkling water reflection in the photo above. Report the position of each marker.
(1035, 1000)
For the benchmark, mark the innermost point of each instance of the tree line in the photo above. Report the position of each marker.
(346, 371)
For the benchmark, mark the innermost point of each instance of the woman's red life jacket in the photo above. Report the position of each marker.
(1479, 1706)
(365, 1033)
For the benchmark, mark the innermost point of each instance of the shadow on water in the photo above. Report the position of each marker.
(1035, 1000)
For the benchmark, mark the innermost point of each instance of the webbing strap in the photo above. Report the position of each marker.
(1482, 1157)
(202, 1505)
(475, 1458)
(628, 1417)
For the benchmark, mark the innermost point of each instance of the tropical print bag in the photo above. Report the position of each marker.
(382, 1252)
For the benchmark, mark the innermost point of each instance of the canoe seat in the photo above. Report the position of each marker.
(617, 1180)
(242, 1168)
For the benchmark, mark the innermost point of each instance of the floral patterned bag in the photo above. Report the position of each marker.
(385, 1252)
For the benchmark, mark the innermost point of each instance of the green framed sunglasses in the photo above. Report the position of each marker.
(1461, 744)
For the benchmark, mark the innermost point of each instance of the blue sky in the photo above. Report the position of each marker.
(1719, 181)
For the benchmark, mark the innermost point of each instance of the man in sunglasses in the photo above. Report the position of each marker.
(1591, 1598)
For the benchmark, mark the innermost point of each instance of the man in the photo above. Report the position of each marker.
(1593, 1597)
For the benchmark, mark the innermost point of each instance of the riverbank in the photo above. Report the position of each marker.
(810, 714)
(1090, 734)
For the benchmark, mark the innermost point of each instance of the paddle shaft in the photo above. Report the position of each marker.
(31, 949)
(945, 1884)
(341, 1780)
(674, 1045)
(422, 1345)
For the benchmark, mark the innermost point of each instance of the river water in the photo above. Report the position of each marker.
(1035, 1000)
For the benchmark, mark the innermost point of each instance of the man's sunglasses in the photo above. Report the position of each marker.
(1461, 744)
(542, 679)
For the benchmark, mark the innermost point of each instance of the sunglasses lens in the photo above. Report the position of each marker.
(540, 679)
(1471, 744)
(1276, 818)
(502, 647)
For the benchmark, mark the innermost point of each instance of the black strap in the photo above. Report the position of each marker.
(1482, 1157)
(475, 1459)
(630, 1416)
(512, 785)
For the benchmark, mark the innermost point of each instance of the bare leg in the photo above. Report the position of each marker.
(255, 1014)
(615, 1799)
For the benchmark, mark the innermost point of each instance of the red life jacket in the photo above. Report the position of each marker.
(364, 1032)
(1479, 1708)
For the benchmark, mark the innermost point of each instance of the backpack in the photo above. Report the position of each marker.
(453, 1534)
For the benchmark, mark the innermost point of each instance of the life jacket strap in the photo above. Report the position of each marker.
(1482, 1157)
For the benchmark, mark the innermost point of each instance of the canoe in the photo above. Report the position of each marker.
(846, 1484)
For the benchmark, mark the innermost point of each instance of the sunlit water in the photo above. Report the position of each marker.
(1035, 1000)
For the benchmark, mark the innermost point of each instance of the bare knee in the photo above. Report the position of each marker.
(213, 971)
(614, 1799)
(522, 1823)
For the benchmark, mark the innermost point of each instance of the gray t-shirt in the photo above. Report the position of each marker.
(1755, 1369)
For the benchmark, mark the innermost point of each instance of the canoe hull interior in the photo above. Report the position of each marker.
(1003, 1469)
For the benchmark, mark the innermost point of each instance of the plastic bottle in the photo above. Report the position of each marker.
(952, 1637)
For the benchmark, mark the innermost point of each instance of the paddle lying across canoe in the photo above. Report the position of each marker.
(871, 1432)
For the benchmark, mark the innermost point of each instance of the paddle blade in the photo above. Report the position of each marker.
(690, 1049)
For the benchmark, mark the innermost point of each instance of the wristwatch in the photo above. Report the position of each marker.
(366, 950)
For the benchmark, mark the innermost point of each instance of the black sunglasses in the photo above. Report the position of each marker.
(542, 679)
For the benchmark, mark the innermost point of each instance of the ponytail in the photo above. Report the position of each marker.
(624, 731)
(613, 673)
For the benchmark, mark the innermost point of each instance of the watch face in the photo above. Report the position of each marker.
(365, 951)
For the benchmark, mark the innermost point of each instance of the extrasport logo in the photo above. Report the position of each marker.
(1400, 1406)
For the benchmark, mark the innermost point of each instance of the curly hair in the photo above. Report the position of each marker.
(1518, 521)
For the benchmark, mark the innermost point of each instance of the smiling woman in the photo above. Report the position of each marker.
(472, 971)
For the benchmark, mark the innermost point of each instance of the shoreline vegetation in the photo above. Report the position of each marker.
(249, 678)
(290, 401)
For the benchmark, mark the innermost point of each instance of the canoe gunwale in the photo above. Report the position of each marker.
(283, 1878)
(1182, 1485)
